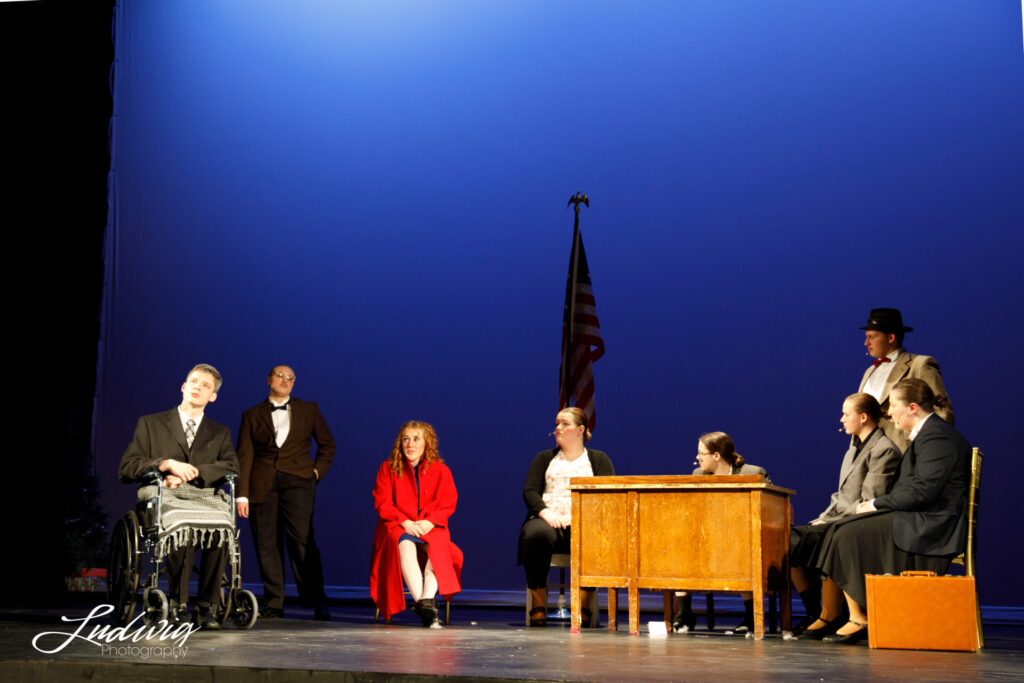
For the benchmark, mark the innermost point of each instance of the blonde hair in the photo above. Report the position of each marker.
(579, 418)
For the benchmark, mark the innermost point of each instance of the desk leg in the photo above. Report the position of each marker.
(787, 598)
(613, 609)
(758, 610)
(574, 583)
(575, 618)
(634, 609)
(633, 562)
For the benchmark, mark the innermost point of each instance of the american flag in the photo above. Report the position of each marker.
(581, 335)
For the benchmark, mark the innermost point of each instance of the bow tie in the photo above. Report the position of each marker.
(879, 361)
(273, 407)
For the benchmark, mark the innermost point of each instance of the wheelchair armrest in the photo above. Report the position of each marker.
(151, 477)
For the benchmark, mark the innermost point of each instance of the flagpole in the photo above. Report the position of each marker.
(576, 200)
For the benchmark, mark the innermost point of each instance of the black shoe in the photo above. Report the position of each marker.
(684, 621)
(176, 613)
(849, 638)
(271, 613)
(321, 613)
(828, 629)
(804, 623)
(744, 628)
(427, 612)
(206, 619)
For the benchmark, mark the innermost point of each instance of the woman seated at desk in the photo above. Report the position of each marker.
(716, 455)
(920, 525)
(867, 471)
(414, 496)
(549, 503)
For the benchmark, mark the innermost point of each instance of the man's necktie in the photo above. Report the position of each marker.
(879, 361)
(273, 407)
(190, 432)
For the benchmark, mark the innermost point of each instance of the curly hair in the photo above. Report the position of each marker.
(430, 452)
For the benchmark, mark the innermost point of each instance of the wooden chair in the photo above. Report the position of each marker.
(563, 561)
(967, 558)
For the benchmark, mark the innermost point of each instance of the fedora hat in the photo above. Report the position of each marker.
(888, 320)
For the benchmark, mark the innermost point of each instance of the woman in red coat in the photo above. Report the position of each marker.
(414, 496)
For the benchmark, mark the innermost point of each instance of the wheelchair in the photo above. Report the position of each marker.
(134, 562)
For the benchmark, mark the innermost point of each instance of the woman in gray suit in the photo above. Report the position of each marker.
(868, 469)
(716, 455)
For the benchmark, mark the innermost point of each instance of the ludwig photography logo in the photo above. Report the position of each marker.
(131, 640)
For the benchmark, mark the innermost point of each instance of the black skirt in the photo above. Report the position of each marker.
(805, 544)
(863, 545)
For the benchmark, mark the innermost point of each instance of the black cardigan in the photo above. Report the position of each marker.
(533, 491)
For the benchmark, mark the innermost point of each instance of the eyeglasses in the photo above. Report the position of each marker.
(281, 375)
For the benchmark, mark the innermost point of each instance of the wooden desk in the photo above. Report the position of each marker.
(693, 533)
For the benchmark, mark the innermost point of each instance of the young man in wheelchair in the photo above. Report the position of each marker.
(188, 450)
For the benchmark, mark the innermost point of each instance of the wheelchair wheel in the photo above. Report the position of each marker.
(123, 568)
(154, 606)
(246, 610)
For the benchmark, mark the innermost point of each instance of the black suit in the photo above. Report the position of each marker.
(161, 437)
(920, 525)
(930, 493)
(281, 488)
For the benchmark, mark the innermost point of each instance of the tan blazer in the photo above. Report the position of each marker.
(910, 365)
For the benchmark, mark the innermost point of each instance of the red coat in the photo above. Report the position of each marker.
(395, 499)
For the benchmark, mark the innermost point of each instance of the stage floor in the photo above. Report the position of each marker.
(482, 643)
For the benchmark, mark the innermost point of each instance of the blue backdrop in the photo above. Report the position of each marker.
(374, 193)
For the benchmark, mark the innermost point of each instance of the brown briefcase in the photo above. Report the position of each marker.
(922, 611)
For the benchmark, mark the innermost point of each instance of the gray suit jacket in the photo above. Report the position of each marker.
(910, 365)
(864, 475)
(745, 469)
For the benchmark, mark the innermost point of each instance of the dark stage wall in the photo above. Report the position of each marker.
(374, 193)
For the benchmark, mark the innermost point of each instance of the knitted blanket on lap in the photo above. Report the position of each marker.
(190, 516)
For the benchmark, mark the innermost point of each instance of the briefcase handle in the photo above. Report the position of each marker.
(917, 573)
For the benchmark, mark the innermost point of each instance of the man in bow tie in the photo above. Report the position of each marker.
(883, 338)
(188, 449)
(277, 488)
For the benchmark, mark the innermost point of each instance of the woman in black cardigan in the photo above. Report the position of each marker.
(548, 512)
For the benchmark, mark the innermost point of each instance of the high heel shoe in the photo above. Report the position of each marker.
(849, 638)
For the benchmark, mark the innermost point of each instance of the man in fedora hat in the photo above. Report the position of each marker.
(883, 338)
